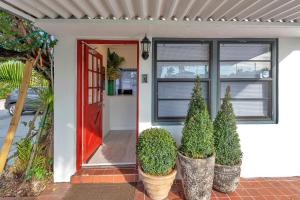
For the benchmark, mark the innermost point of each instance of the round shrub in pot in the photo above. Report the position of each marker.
(228, 149)
(196, 155)
(156, 153)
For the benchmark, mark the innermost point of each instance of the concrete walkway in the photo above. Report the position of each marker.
(5, 118)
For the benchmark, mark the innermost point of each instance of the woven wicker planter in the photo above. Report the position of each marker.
(158, 187)
(226, 178)
(197, 177)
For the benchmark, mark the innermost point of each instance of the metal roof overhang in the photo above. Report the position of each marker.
(219, 18)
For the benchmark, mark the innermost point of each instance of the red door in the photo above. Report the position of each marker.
(92, 133)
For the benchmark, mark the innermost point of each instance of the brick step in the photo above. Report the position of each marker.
(105, 175)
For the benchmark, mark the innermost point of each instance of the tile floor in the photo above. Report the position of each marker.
(118, 148)
(248, 189)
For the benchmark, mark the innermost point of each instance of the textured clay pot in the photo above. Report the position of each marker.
(226, 178)
(158, 187)
(197, 177)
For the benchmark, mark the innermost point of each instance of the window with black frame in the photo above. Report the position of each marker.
(176, 64)
(126, 84)
(247, 68)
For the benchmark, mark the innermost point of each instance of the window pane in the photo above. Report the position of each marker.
(90, 79)
(245, 69)
(95, 96)
(178, 90)
(127, 82)
(245, 51)
(172, 108)
(247, 89)
(90, 62)
(251, 108)
(182, 51)
(182, 69)
(95, 79)
(90, 100)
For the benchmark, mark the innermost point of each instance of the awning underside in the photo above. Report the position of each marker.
(285, 11)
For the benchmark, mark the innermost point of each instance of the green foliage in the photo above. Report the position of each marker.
(197, 102)
(11, 72)
(197, 141)
(24, 147)
(227, 142)
(39, 166)
(156, 151)
(114, 61)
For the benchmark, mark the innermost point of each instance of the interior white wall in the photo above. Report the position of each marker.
(268, 149)
(122, 112)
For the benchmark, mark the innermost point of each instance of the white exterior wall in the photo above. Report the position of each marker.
(269, 149)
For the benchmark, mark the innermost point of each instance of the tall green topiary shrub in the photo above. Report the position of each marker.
(227, 142)
(197, 140)
(197, 102)
(156, 151)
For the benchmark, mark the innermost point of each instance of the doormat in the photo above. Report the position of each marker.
(102, 191)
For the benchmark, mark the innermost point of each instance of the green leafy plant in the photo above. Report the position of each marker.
(197, 140)
(197, 102)
(39, 165)
(156, 151)
(227, 142)
(114, 61)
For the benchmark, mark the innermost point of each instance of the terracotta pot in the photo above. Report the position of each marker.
(158, 187)
(197, 177)
(226, 178)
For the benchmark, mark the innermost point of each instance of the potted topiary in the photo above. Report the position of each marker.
(114, 61)
(228, 149)
(196, 154)
(156, 153)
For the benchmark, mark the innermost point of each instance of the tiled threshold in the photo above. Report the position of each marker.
(106, 175)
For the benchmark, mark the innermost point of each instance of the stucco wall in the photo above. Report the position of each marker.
(269, 149)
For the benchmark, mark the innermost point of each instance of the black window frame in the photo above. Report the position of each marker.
(214, 80)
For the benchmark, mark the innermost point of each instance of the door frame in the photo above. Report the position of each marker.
(79, 97)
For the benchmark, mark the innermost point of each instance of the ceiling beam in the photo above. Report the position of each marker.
(57, 8)
(202, 5)
(42, 8)
(27, 8)
(172, 8)
(100, 9)
(211, 9)
(240, 8)
(255, 8)
(68, 5)
(187, 9)
(225, 9)
(276, 6)
(287, 13)
(86, 8)
(286, 9)
(15, 11)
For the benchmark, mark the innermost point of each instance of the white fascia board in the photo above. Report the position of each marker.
(15, 11)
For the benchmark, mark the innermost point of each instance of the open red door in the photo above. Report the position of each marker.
(92, 121)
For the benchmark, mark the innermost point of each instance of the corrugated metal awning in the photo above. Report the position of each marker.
(285, 11)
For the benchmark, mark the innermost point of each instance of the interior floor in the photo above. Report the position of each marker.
(118, 148)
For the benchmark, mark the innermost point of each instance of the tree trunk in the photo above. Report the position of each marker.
(16, 117)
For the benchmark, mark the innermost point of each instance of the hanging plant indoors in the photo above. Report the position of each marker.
(114, 61)
(228, 148)
(196, 154)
